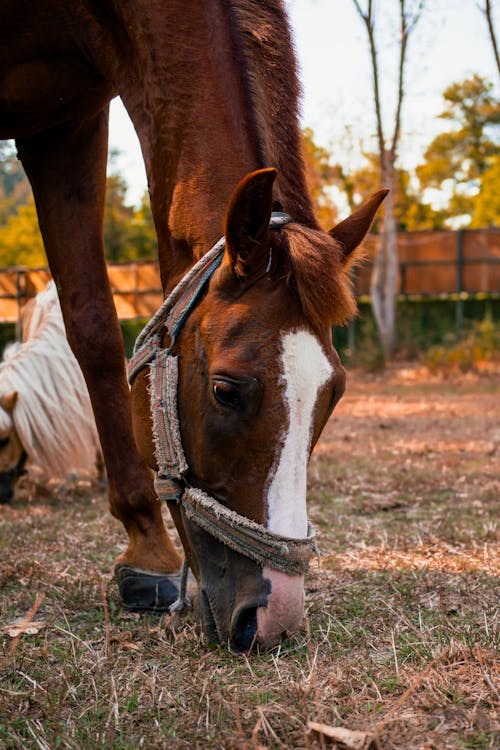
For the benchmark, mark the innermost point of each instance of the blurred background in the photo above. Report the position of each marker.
(396, 93)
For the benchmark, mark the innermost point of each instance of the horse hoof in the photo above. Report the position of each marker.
(146, 590)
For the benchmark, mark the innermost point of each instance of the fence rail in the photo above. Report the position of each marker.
(136, 289)
(430, 264)
(442, 262)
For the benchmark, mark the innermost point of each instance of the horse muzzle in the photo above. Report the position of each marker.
(9, 478)
(242, 604)
(284, 612)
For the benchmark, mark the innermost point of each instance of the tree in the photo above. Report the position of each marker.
(118, 218)
(14, 186)
(486, 211)
(487, 11)
(142, 235)
(410, 213)
(457, 159)
(383, 287)
(128, 232)
(320, 177)
(20, 239)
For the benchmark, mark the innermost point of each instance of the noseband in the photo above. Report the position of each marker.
(251, 539)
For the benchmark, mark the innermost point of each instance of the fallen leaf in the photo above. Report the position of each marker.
(346, 738)
(130, 645)
(21, 627)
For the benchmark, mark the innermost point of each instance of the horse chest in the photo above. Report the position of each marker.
(46, 72)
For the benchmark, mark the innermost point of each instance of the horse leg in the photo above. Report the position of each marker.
(67, 167)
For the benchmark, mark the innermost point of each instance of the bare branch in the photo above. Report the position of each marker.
(369, 21)
(401, 69)
(418, 12)
(407, 25)
(358, 8)
(487, 11)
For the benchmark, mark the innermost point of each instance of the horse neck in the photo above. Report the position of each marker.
(211, 101)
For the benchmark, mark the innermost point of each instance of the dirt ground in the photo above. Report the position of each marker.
(400, 637)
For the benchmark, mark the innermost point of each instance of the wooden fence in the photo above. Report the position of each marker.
(430, 263)
(136, 289)
(442, 263)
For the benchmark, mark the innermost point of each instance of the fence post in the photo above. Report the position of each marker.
(459, 310)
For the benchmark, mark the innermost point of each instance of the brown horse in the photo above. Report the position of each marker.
(211, 89)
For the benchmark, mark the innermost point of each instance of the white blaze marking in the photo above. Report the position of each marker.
(305, 370)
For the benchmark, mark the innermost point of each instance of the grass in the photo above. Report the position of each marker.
(401, 626)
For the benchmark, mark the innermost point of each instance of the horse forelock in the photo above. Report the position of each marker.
(268, 74)
(316, 273)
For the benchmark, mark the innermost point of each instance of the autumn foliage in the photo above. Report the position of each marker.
(128, 230)
(456, 184)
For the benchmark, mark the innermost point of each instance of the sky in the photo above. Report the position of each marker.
(449, 44)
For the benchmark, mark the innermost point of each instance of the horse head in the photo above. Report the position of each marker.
(258, 378)
(12, 454)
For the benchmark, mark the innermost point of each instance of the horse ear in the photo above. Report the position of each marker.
(247, 220)
(350, 232)
(8, 401)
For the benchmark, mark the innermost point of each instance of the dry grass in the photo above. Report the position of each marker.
(399, 638)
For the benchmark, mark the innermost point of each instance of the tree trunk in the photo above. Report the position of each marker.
(384, 281)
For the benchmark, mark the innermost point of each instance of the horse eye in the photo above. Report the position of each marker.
(227, 394)
(4, 441)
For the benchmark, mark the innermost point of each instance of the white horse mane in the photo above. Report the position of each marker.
(52, 417)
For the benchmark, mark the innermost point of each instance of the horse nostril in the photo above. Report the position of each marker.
(245, 629)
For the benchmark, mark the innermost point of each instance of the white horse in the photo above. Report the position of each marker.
(46, 422)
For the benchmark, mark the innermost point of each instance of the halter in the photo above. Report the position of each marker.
(251, 539)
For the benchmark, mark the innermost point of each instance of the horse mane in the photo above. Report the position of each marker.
(52, 416)
(265, 54)
(318, 275)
